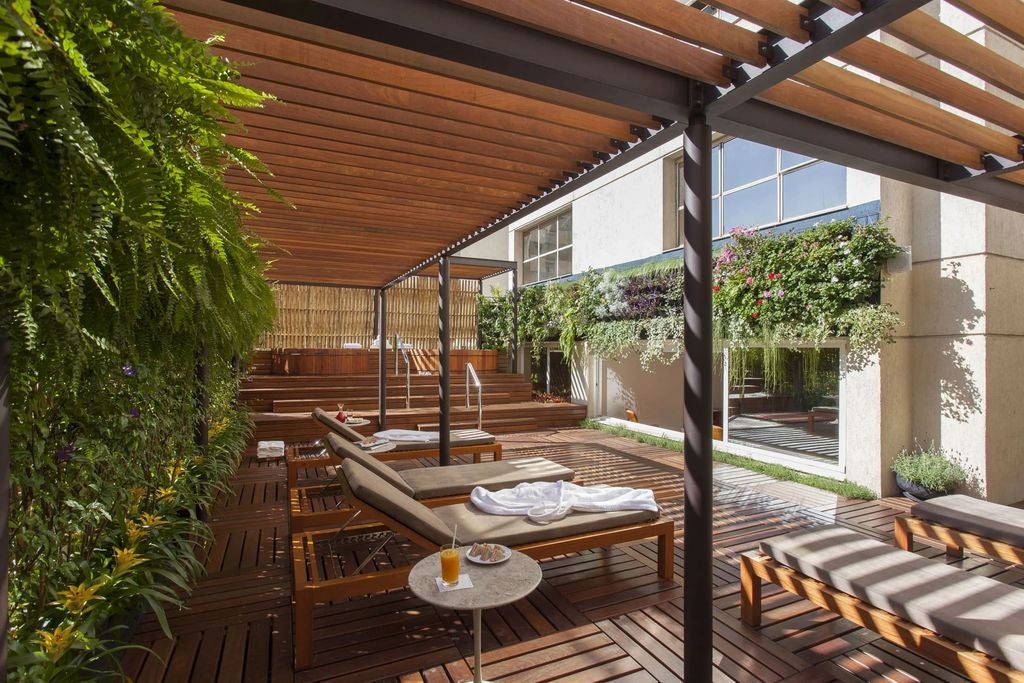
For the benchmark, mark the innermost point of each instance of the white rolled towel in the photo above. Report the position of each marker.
(549, 501)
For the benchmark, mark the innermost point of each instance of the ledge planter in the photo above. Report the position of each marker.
(927, 473)
(915, 491)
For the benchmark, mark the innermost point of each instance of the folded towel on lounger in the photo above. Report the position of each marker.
(550, 501)
(409, 435)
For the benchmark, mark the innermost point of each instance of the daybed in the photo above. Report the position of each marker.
(960, 522)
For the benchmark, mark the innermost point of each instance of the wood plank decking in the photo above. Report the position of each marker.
(597, 616)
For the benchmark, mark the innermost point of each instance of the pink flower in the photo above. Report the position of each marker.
(760, 302)
(715, 288)
(754, 314)
(779, 292)
(767, 294)
(750, 281)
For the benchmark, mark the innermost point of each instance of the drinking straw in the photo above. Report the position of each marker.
(453, 534)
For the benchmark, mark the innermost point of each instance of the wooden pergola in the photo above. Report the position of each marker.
(407, 129)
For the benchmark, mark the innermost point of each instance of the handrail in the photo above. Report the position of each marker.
(400, 349)
(471, 371)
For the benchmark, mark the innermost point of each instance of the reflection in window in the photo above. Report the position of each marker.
(547, 249)
(754, 186)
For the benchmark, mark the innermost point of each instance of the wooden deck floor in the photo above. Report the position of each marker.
(597, 616)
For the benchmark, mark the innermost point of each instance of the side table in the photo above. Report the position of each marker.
(494, 585)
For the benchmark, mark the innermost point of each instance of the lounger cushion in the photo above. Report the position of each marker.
(378, 493)
(432, 482)
(343, 449)
(976, 516)
(480, 527)
(975, 611)
(460, 437)
(336, 425)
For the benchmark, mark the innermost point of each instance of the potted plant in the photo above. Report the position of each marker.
(924, 473)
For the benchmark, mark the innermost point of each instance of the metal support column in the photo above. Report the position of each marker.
(382, 358)
(697, 401)
(5, 491)
(444, 347)
(515, 320)
(202, 429)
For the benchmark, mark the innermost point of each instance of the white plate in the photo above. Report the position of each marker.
(476, 560)
(356, 422)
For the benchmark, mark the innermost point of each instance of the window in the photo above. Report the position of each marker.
(547, 249)
(753, 186)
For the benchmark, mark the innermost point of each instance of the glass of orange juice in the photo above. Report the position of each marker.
(449, 564)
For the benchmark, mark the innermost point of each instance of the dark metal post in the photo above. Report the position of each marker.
(515, 320)
(697, 538)
(5, 491)
(444, 347)
(202, 430)
(382, 361)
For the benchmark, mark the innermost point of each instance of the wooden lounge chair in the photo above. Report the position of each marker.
(429, 528)
(433, 486)
(969, 623)
(960, 522)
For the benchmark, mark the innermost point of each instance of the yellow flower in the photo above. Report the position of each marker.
(174, 471)
(165, 492)
(137, 494)
(218, 426)
(151, 520)
(136, 532)
(126, 558)
(56, 643)
(199, 460)
(76, 597)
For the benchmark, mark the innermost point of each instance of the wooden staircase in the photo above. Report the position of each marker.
(281, 404)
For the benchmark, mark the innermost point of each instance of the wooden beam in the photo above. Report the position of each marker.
(893, 65)
(304, 199)
(799, 98)
(782, 18)
(860, 90)
(686, 23)
(606, 33)
(291, 95)
(248, 45)
(365, 213)
(949, 45)
(1005, 16)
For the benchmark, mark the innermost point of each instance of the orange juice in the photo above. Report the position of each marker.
(449, 565)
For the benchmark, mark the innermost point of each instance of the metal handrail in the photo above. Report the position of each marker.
(400, 349)
(471, 371)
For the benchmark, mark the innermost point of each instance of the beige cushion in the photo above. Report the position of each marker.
(343, 449)
(433, 482)
(479, 527)
(379, 494)
(460, 437)
(976, 516)
(336, 426)
(975, 611)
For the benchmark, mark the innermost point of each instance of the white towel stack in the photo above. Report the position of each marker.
(268, 450)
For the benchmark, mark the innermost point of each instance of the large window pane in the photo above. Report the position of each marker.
(716, 223)
(565, 230)
(530, 244)
(754, 206)
(747, 161)
(548, 237)
(716, 152)
(565, 262)
(814, 188)
(548, 267)
(529, 272)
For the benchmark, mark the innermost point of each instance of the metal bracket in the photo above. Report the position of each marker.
(640, 131)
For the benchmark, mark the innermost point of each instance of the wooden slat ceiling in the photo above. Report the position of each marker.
(390, 156)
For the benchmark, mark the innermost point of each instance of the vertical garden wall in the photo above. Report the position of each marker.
(122, 260)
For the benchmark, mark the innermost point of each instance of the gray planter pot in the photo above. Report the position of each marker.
(915, 491)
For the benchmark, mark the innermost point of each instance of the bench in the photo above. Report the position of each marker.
(960, 522)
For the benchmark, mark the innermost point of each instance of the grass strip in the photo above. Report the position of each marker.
(839, 487)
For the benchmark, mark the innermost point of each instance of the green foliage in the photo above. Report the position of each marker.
(121, 255)
(843, 488)
(930, 468)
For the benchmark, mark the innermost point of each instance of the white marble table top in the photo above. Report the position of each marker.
(494, 585)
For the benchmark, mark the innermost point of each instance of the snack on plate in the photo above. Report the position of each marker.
(486, 552)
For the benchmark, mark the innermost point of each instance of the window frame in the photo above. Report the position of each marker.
(556, 252)
(779, 176)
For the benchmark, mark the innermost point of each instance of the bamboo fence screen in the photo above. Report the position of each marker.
(314, 317)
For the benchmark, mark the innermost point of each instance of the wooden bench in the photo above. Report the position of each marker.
(829, 413)
(961, 522)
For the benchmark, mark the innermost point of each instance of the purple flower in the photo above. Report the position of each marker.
(134, 412)
(779, 292)
(767, 294)
(728, 255)
(64, 453)
(129, 371)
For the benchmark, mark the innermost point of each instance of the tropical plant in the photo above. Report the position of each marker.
(122, 261)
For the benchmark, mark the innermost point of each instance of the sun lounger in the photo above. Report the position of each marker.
(431, 527)
(433, 486)
(475, 442)
(960, 522)
(970, 623)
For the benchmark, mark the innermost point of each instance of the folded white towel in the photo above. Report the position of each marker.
(270, 449)
(408, 435)
(548, 501)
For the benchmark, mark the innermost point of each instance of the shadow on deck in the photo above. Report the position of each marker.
(599, 615)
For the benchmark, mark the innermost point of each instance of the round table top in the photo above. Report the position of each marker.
(494, 585)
